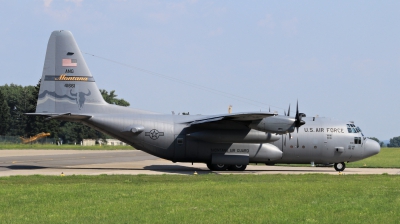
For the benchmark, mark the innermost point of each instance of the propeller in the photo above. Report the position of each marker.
(298, 119)
(288, 114)
(297, 123)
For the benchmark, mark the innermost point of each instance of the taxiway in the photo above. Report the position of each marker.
(132, 162)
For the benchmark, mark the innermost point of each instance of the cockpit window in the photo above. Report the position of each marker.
(351, 128)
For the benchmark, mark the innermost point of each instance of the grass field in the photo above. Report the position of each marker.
(207, 198)
(387, 158)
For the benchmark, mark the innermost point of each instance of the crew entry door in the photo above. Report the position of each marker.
(180, 147)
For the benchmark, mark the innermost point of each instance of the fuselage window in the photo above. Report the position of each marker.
(357, 140)
(179, 141)
(328, 136)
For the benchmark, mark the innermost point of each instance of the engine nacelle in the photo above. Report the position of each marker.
(267, 152)
(275, 124)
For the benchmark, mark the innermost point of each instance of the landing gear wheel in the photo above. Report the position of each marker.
(237, 167)
(217, 167)
(339, 166)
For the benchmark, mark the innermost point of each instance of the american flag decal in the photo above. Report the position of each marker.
(69, 62)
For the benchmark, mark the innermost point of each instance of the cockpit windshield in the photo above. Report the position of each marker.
(351, 128)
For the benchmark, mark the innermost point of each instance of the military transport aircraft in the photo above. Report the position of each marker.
(224, 142)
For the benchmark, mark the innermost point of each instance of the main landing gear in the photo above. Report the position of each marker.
(339, 166)
(223, 167)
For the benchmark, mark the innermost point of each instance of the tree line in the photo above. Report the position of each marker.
(16, 100)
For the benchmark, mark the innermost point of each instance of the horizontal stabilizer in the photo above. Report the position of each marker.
(63, 116)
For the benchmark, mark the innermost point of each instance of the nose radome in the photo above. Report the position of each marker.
(371, 148)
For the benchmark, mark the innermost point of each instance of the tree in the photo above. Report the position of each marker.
(375, 139)
(394, 142)
(38, 124)
(111, 98)
(17, 101)
(4, 115)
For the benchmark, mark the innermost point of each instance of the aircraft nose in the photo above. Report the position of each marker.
(371, 148)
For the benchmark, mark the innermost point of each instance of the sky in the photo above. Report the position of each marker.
(339, 59)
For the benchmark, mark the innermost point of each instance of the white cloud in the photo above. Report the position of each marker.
(47, 3)
(160, 17)
(217, 32)
(267, 22)
(77, 2)
(290, 26)
(62, 11)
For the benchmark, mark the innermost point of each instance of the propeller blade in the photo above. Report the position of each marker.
(298, 120)
(288, 113)
(290, 136)
(285, 141)
(297, 142)
(284, 112)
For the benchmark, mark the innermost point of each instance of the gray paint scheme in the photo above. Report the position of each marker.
(68, 92)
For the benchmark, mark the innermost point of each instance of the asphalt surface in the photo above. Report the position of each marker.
(96, 162)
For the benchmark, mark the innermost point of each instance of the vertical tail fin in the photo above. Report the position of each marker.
(67, 85)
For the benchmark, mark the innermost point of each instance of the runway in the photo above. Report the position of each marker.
(133, 162)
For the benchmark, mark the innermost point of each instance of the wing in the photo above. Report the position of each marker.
(232, 117)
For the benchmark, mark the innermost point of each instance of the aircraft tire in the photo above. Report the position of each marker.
(237, 167)
(339, 166)
(217, 167)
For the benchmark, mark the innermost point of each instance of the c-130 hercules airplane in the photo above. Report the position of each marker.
(224, 142)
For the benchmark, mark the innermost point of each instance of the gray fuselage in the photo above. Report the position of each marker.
(320, 140)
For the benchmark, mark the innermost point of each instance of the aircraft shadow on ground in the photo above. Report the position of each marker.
(178, 169)
(159, 168)
(24, 167)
